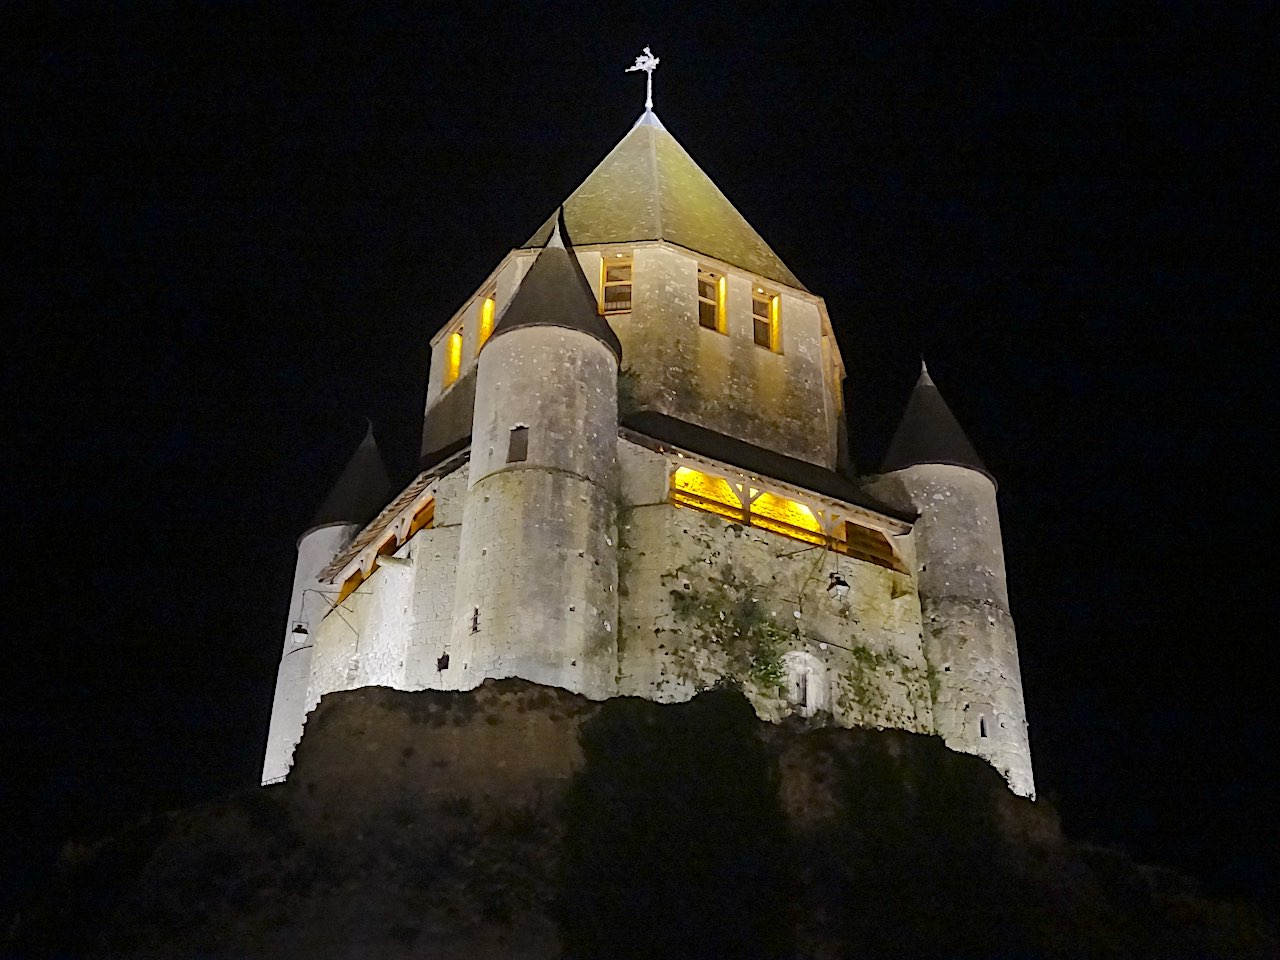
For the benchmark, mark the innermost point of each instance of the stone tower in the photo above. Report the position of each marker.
(932, 470)
(361, 489)
(688, 519)
(537, 562)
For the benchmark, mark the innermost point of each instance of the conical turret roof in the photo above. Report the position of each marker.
(930, 433)
(555, 293)
(361, 490)
(649, 188)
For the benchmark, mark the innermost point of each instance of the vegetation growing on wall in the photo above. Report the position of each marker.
(729, 610)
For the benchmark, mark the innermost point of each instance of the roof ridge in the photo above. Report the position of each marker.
(648, 187)
(653, 173)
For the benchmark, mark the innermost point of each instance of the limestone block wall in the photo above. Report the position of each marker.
(969, 633)
(547, 557)
(537, 570)
(307, 607)
(365, 640)
(435, 567)
(393, 628)
(449, 406)
(724, 381)
(702, 599)
(787, 401)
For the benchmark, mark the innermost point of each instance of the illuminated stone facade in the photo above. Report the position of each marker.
(680, 516)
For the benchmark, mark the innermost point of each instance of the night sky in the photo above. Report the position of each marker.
(236, 231)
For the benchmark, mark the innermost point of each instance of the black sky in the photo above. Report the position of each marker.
(235, 232)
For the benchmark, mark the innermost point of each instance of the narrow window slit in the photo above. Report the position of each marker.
(518, 445)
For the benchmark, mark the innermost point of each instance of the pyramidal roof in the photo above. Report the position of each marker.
(555, 293)
(649, 188)
(930, 433)
(361, 489)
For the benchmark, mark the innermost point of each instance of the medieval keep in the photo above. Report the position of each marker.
(634, 483)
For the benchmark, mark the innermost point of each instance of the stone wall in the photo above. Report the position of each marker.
(537, 570)
(308, 605)
(724, 381)
(704, 599)
(699, 600)
(969, 633)
(787, 401)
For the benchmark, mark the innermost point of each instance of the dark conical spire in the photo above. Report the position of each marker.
(930, 433)
(555, 293)
(361, 490)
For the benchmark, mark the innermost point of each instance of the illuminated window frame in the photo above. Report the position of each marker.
(615, 293)
(711, 305)
(766, 310)
(486, 317)
(452, 365)
(753, 506)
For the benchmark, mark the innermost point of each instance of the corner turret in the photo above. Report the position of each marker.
(359, 492)
(537, 561)
(932, 470)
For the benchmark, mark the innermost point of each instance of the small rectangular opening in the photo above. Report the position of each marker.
(615, 284)
(518, 445)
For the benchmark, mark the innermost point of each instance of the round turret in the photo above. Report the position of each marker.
(537, 565)
(361, 489)
(969, 640)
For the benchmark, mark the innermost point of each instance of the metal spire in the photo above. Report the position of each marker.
(648, 63)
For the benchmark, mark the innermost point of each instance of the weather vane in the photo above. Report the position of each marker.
(648, 63)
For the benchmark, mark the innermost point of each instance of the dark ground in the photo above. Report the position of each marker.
(523, 821)
(235, 230)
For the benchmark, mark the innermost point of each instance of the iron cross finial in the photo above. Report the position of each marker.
(648, 63)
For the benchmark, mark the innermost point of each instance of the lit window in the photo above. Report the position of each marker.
(783, 516)
(864, 543)
(615, 285)
(705, 492)
(487, 307)
(787, 517)
(764, 319)
(711, 296)
(453, 357)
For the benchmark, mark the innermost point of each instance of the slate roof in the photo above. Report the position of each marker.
(360, 490)
(555, 293)
(376, 530)
(930, 433)
(649, 188)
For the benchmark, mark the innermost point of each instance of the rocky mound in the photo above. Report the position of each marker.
(523, 821)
